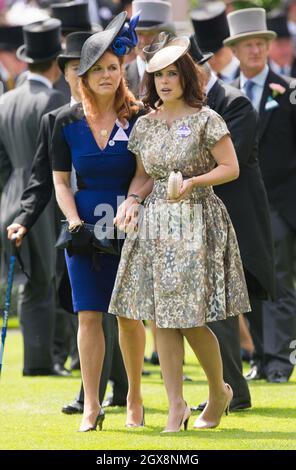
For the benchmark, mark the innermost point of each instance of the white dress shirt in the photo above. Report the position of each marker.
(259, 81)
(228, 74)
(39, 78)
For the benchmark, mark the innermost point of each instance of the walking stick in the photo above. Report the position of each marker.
(7, 303)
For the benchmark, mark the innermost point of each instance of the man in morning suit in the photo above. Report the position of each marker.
(270, 95)
(246, 202)
(21, 111)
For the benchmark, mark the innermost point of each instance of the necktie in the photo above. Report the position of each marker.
(249, 89)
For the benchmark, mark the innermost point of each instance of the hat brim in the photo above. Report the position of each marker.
(158, 28)
(93, 28)
(107, 36)
(231, 41)
(21, 55)
(205, 58)
(169, 54)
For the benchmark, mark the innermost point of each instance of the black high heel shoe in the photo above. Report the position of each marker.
(141, 425)
(98, 422)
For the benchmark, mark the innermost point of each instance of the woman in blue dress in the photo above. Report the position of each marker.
(93, 136)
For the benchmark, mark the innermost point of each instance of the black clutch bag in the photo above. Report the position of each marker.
(85, 242)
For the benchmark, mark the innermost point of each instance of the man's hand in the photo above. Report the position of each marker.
(16, 232)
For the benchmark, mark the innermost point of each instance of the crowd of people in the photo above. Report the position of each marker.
(104, 108)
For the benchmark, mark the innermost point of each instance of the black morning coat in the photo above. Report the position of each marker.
(245, 198)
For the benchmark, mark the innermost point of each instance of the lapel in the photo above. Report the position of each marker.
(133, 78)
(264, 114)
(212, 95)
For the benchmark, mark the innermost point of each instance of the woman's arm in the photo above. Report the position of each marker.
(227, 168)
(141, 185)
(65, 197)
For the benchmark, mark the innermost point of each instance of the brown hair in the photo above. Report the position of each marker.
(125, 103)
(191, 77)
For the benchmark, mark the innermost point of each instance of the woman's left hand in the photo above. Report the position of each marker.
(185, 192)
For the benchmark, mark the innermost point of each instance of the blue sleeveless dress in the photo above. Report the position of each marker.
(103, 179)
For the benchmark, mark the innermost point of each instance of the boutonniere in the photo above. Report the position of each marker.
(276, 89)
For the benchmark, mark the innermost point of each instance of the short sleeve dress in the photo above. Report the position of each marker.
(103, 179)
(183, 267)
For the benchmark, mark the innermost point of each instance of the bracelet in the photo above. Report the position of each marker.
(73, 227)
(136, 197)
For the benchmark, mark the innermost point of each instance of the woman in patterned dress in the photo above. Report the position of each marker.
(182, 282)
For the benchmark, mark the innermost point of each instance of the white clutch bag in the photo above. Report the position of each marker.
(175, 182)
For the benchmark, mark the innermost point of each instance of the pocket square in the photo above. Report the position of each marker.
(271, 104)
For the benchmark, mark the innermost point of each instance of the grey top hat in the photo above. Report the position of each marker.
(95, 46)
(248, 23)
(156, 15)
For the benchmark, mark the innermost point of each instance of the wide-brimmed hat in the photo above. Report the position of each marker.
(74, 17)
(156, 16)
(196, 53)
(42, 41)
(248, 23)
(277, 21)
(11, 37)
(210, 26)
(72, 51)
(120, 38)
(164, 51)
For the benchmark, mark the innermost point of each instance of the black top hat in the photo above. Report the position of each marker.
(74, 16)
(277, 21)
(95, 46)
(11, 37)
(196, 53)
(42, 41)
(74, 43)
(210, 26)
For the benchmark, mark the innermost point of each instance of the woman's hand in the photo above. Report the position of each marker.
(186, 190)
(127, 215)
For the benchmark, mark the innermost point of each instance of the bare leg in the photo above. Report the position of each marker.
(206, 348)
(170, 348)
(91, 346)
(132, 339)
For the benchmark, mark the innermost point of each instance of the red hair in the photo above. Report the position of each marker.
(125, 103)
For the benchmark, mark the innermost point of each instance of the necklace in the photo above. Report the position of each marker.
(103, 132)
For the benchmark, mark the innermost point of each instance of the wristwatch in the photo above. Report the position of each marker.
(136, 197)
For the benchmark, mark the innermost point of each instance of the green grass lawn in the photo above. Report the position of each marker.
(30, 416)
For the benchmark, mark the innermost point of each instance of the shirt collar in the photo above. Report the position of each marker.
(257, 79)
(141, 66)
(231, 68)
(211, 82)
(73, 101)
(39, 78)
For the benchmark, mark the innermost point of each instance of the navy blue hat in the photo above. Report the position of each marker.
(121, 38)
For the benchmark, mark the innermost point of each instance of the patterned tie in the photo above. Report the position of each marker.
(249, 89)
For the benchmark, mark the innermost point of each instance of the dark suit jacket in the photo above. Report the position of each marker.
(277, 147)
(39, 190)
(245, 198)
(21, 111)
(133, 78)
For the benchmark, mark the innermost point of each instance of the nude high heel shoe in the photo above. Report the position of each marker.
(184, 421)
(201, 423)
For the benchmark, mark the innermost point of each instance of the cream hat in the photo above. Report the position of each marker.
(162, 54)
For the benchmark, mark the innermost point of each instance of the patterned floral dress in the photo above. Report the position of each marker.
(183, 267)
